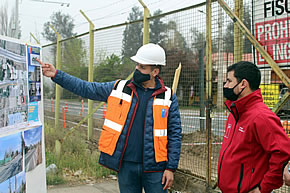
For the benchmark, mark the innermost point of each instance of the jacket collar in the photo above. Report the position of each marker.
(244, 103)
(159, 88)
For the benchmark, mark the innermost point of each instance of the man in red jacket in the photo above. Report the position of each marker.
(255, 146)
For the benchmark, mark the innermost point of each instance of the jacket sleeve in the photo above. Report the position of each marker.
(276, 144)
(90, 90)
(174, 135)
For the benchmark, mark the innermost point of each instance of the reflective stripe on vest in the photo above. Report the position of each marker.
(161, 105)
(119, 103)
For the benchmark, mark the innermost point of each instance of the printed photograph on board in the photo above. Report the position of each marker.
(15, 184)
(33, 58)
(34, 76)
(33, 112)
(11, 156)
(33, 54)
(13, 84)
(33, 148)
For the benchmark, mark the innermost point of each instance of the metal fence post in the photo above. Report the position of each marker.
(220, 97)
(238, 35)
(90, 73)
(208, 89)
(37, 41)
(145, 23)
(57, 87)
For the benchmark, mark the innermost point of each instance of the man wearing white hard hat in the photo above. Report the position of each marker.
(141, 136)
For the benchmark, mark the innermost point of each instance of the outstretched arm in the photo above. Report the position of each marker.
(91, 90)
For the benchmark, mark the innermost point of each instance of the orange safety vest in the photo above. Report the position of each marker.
(119, 103)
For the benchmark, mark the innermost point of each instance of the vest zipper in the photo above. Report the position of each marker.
(129, 129)
(144, 133)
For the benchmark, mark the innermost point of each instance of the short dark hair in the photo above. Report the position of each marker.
(156, 66)
(247, 70)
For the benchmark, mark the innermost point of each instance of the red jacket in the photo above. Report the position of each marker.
(254, 148)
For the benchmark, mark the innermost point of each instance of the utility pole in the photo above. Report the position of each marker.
(17, 19)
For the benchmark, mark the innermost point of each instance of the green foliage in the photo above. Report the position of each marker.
(157, 29)
(48, 91)
(132, 35)
(63, 24)
(73, 62)
(199, 41)
(189, 74)
(73, 51)
(75, 156)
(113, 68)
(229, 38)
(247, 46)
(175, 39)
(55, 179)
(178, 51)
(229, 35)
(73, 57)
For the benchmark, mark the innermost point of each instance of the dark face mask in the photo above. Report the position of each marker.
(139, 77)
(229, 93)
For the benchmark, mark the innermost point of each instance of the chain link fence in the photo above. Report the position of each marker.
(182, 33)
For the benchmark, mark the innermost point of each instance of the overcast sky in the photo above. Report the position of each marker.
(33, 14)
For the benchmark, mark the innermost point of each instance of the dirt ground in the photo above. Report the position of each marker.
(101, 186)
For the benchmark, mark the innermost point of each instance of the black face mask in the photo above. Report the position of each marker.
(139, 77)
(229, 93)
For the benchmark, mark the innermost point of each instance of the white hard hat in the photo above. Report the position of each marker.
(151, 54)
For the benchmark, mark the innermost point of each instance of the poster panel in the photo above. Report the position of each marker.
(22, 157)
(13, 84)
(271, 29)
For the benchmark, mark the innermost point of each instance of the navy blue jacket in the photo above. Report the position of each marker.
(101, 92)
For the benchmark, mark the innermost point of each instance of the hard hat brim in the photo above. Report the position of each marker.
(140, 61)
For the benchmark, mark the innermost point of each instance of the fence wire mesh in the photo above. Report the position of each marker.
(182, 33)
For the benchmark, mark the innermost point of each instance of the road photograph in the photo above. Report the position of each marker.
(15, 184)
(11, 156)
(33, 148)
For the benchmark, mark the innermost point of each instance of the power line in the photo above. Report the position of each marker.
(111, 15)
(98, 8)
(104, 6)
(54, 2)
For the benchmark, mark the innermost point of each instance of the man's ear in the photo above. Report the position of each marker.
(155, 72)
(245, 83)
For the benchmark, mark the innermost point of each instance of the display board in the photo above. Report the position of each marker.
(22, 155)
(272, 28)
